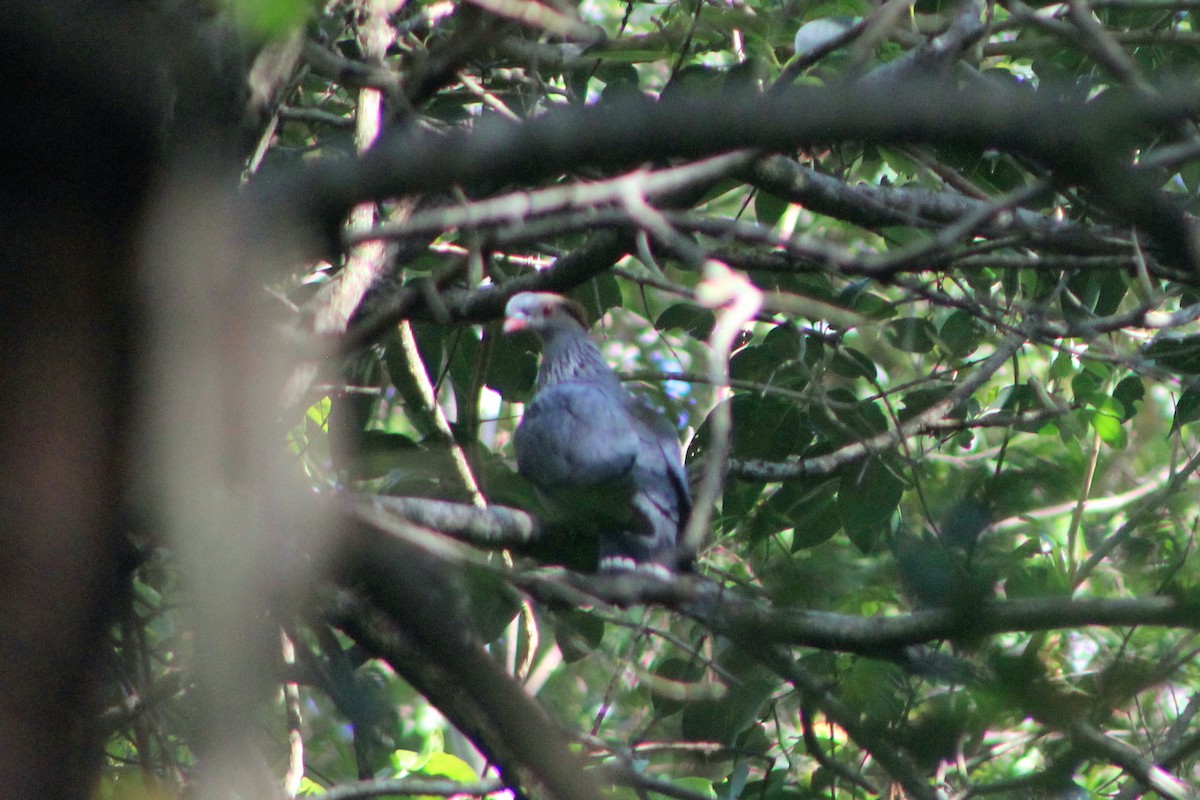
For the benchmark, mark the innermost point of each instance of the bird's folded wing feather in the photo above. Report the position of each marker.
(661, 478)
(577, 434)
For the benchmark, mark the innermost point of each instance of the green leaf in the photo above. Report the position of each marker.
(512, 368)
(1062, 367)
(1020, 398)
(598, 295)
(933, 737)
(868, 495)
(1187, 407)
(910, 334)
(785, 341)
(1181, 354)
(768, 427)
(737, 501)
(380, 453)
(405, 762)
(309, 787)
(1093, 293)
(1190, 175)
(1106, 421)
(848, 418)
(851, 363)
(1037, 579)
(446, 765)
(769, 208)
(866, 303)
(270, 18)
(618, 73)
(921, 399)
(754, 363)
(870, 686)
(673, 671)
(696, 786)
(1086, 384)
(901, 164)
(810, 510)
(493, 603)
(577, 633)
(961, 334)
(723, 720)
(1129, 392)
(693, 320)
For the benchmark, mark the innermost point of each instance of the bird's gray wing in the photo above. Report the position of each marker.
(577, 444)
(660, 500)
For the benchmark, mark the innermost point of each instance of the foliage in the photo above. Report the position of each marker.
(966, 406)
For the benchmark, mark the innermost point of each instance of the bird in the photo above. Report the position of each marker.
(603, 460)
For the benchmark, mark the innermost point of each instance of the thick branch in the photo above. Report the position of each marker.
(730, 614)
(493, 527)
(411, 787)
(598, 254)
(1083, 144)
(407, 608)
(880, 206)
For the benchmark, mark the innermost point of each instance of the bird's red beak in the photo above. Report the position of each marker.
(514, 324)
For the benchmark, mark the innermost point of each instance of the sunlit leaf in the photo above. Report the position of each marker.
(271, 18)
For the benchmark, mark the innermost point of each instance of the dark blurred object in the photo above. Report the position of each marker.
(86, 105)
(964, 524)
(942, 571)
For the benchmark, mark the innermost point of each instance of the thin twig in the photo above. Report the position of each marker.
(736, 302)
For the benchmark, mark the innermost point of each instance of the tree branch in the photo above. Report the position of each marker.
(827, 464)
(875, 207)
(492, 527)
(407, 608)
(728, 613)
(1084, 144)
(433, 787)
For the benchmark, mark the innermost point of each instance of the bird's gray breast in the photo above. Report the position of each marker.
(578, 445)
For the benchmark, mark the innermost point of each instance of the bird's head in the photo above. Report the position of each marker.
(543, 312)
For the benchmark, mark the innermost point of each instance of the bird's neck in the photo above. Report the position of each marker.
(571, 356)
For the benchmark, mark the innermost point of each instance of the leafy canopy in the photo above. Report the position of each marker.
(953, 547)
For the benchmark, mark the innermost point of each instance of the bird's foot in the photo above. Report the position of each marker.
(612, 565)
